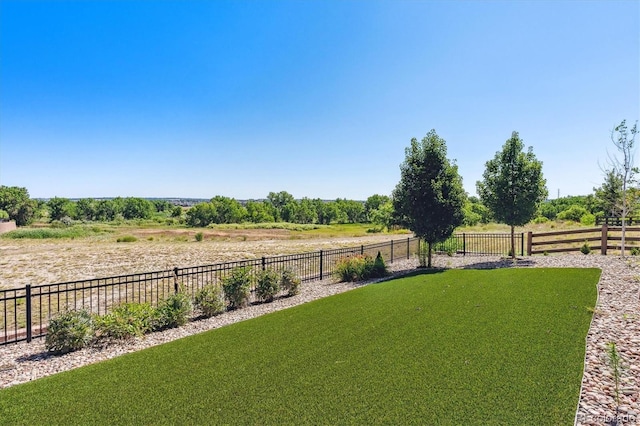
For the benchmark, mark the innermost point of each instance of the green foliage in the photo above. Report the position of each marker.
(588, 219)
(609, 194)
(375, 202)
(16, 202)
(379, 267)
(210, 300)
(69, 331)
(237, 287)
(127, 239)
(429, 199)
(540, 219)
(267, 285)
(61, 207)
(199, 236)
(259, 211)
(4, 215)
(174, 311)
(585, 249)
(513, 186)
(573, 213)
(49, 233)
(125, 321)
(635, 251)
(360, 267)
(290, 282)
(137, 208)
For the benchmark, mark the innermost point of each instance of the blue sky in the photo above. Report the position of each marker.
(317, 98)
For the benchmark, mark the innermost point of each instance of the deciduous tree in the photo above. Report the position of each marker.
(429, 199)
(513, 185)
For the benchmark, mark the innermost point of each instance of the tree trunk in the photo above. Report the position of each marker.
(513, 242)
(428, 255)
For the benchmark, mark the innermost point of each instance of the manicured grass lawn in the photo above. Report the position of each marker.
(454, 347)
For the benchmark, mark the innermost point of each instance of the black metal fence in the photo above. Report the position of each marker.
(25, 312)
(482, 244)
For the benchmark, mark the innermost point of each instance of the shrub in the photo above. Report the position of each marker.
(588, 219)
(360, 267)
(237, 287)
(199, 236)
(127, 239)
(125, 321)
(267, 285)
(585, 249)
(173, 312)
(210, 300)
(290, 282)
(379, 267)
(573, 213)
(540, 219)
(69, 331)
(635, 251)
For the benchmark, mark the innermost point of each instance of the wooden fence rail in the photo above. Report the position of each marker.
(605, 238)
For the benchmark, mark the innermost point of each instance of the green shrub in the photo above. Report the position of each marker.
(69, 331)
(127, 239)
(267, 285)
(585, 249)
(588, 219)
(573, 213)
(4, 215)
(199, 236)
(379, 267)
(125, 321)
(210, 300)
(541, 219)
(290, 282)
(635, 251)
(173, 312)
(237, 287)
(359, 267)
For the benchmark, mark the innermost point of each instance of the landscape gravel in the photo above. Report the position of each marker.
(616, 319)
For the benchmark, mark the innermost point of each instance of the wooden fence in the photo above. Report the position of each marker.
(603, 239)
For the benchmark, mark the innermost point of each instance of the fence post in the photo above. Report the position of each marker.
(391, 251)
(408, 250)
(464, 244)
(361, 250)
(264, 262)
(604, 239)
(28, 313)
(529, 242)
(175, 279)
(522, 244)
(321, 265)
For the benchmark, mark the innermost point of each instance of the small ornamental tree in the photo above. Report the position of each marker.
(429, 200)
(513, 186)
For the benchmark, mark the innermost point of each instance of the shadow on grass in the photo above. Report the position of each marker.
(502, 263)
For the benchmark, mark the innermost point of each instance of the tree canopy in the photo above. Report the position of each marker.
(513, 185)
(429, 199)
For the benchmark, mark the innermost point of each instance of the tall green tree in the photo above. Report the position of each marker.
(429, 199)
(16, 202)
(513, 185)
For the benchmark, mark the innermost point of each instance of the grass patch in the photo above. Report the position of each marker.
(52, 233)
(455, 347)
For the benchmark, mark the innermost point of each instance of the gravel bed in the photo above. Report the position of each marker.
(616, 319)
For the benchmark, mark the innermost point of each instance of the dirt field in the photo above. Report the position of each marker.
(50, 261)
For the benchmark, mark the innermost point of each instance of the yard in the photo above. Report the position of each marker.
(500, 346)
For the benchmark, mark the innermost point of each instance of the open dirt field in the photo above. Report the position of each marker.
(50, 261)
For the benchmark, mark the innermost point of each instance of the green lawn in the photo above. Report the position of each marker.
(455, 347)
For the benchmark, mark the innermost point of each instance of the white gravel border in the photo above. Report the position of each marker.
(616, 319)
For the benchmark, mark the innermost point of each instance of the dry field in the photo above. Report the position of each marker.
(50, 261)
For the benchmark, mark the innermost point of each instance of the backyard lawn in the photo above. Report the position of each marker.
(452, 347)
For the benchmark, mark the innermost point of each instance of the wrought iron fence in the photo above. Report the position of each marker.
(25, 312)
